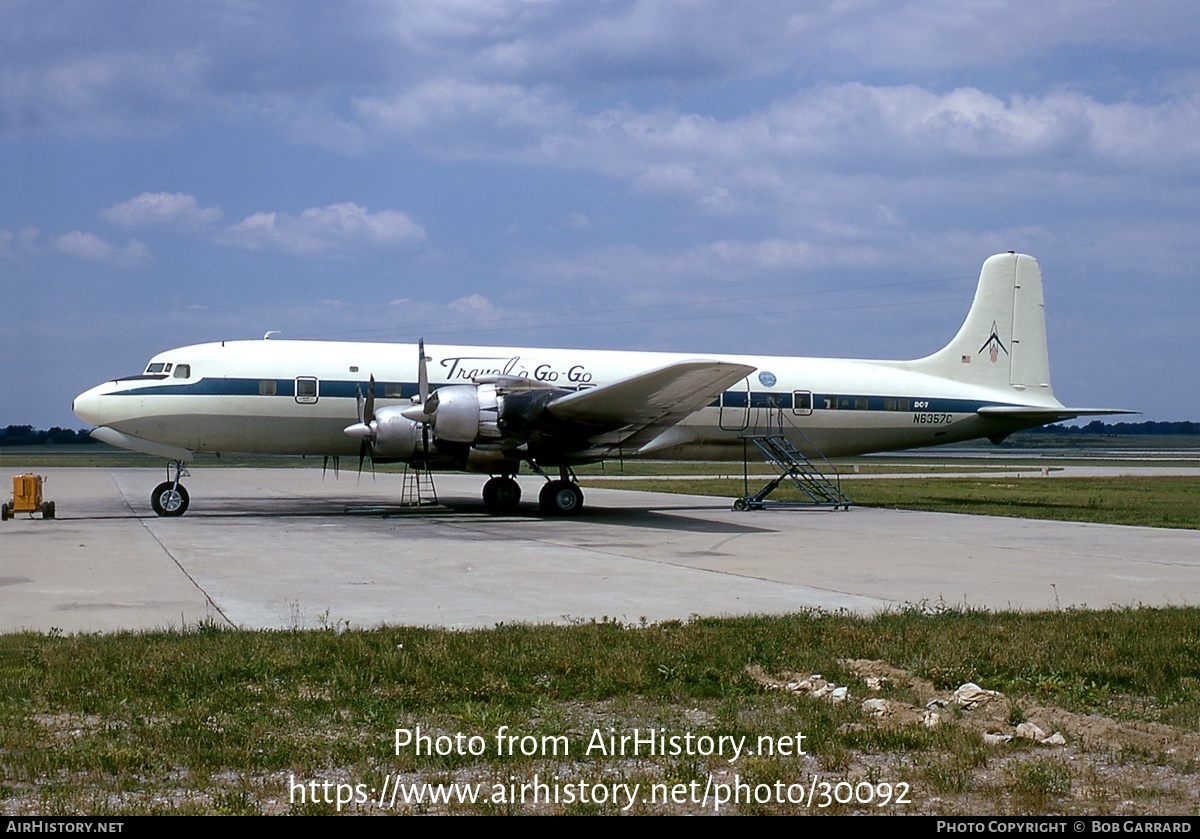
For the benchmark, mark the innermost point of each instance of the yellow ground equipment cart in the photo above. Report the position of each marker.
(27, 498)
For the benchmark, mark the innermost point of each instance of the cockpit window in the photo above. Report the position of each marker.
(157, 367)
(183, 371)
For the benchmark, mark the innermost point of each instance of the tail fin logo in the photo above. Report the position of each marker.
(993, 345)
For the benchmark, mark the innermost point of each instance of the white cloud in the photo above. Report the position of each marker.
(91, 247)
(23, 243)
(463, 118)
(138, 66)
(473, 307)
(174, 209)
(325, 229)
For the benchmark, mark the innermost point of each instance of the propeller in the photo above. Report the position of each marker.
(325, 466)
(424, 403)
(423, 395)
(365, 428)
(422, 372)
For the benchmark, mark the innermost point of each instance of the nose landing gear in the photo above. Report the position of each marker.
(169, 498)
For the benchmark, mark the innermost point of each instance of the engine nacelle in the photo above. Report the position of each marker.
(468, 413)
(395, 436)
(491, 462)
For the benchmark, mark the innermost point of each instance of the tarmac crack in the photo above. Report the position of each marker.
(142, 521)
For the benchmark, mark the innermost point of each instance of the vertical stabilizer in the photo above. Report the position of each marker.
(1002, 343)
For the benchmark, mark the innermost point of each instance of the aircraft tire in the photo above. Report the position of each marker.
(561, 498)
(501, 495)
(169, 499)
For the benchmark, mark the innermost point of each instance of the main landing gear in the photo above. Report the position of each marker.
(501, 495)
(562, 497)
(169, 498)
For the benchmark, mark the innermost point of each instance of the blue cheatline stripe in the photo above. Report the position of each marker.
(340, 389)
(283, 387)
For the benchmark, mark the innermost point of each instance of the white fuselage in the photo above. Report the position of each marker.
(297, 397)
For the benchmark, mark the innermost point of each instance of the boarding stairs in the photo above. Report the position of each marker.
(793, 465)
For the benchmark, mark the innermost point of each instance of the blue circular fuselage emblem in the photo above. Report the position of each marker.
(768, 379)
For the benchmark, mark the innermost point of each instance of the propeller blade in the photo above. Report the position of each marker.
(422, 373)
(364, 429)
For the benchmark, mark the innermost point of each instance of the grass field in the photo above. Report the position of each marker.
(218, 721)
(1161, 501)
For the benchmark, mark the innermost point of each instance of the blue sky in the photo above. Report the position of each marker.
(786, 178)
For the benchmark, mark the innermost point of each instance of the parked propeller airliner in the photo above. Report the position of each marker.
(488, 409)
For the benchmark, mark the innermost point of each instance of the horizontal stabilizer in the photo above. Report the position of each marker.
(1044, 415)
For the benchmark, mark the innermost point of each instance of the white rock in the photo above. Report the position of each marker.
(972, 695)
(1029, 731)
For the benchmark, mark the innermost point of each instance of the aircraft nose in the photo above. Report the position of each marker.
(87, 406)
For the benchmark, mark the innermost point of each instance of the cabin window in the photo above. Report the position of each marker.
(183, 371)
(266, 387)
(802, 402)
(306, 390)
(392, 390)
(353, 368)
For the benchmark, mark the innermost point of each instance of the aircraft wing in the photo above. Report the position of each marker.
(633, 411)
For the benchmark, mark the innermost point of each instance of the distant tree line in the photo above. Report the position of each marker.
(1120, 428)
(26, 435)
